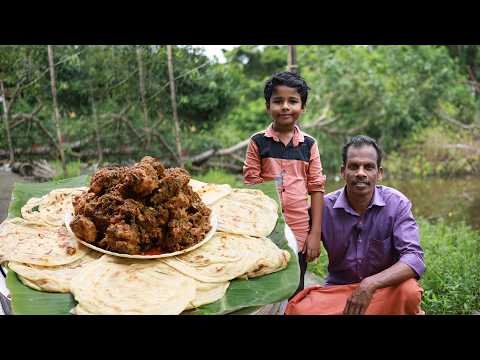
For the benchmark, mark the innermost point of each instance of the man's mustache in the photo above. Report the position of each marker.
(366, 182)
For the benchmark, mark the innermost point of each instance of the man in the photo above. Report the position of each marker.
(372, 241)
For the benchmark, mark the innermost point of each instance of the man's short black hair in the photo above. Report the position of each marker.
(359, 141)
(290, 79)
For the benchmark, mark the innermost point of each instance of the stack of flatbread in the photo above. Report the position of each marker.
(50, 209)
(39, 249)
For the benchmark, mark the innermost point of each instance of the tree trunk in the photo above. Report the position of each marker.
(97, 131)
(141, 77)
(6, 120)
(174, 103)
(55, 108)
(292, 58)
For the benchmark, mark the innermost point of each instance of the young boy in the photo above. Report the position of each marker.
(284, 152)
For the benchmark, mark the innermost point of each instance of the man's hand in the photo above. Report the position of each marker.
(358, 302)
(312, 248)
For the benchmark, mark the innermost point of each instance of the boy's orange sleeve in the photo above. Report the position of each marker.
(315, 178)
(253, 165)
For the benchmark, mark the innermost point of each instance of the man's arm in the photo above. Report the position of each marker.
(314, 236)
(406, 240)
(358, 302)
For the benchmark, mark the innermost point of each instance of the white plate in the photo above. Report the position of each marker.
(208, 236)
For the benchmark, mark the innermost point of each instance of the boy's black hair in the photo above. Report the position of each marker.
(359, 141)
(290, 79)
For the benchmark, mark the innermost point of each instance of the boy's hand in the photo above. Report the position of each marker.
(312, 248)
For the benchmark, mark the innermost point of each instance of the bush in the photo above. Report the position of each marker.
(452, 279)
(438, 150)
(73, 169)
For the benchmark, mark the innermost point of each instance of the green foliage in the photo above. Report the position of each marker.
(392, 93)
(319, 266)
(218, 176)
(452, 280)
(436, 150)
(73, 169)
(387, 92)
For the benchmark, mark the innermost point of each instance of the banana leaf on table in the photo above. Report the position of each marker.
(241, 294)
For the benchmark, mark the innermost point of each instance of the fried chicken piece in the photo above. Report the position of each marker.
(185, 230)
(122, 238)
(156, 164)
(107, 178)
(162, 215)
(101, 210)
(84, 228)
(141, 179)
(177, 234)
(80, 201)
(179, 201)
(170, 185)
(134, 212)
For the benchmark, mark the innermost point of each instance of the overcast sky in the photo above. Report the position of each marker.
(216, 50)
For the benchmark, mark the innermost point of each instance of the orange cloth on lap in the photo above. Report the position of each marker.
(402, 299)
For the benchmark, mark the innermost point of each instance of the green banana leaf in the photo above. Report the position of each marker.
(242, 296)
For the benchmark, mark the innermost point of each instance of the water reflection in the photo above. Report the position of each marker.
(452, 199)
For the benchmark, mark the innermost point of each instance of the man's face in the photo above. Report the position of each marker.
(360, 171)
(285, 105)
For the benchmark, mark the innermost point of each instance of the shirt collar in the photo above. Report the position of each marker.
(296, 139)
(342, 201)
(377, 198)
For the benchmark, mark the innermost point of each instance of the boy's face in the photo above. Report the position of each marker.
(285, 105)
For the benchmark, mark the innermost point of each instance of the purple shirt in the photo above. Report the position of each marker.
(359, 247)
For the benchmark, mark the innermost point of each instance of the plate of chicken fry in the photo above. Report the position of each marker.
(152, 253)
(143, 211)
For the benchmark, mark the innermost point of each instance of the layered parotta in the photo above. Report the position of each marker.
(51, 278)
(229, 256)
(32, 243)
(246, 212)
(115, 286)
(211, 193)
(50, 209)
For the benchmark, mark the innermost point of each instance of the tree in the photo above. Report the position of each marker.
(55, 109)
(469, 59)
(292, 58)
(141, 78)
(6, 121)
(174, 103)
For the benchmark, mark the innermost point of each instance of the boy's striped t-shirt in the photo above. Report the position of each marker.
(297, 169)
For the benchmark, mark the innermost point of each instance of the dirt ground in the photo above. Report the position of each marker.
(7, 179)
